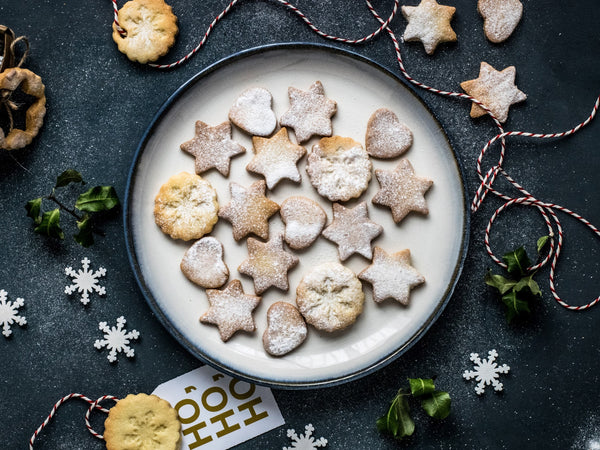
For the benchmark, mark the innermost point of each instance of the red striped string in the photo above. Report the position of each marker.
(94, 404)
(487, 180)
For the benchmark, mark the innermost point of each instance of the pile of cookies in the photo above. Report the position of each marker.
(330, 296)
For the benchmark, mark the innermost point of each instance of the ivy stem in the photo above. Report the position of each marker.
(72, 212)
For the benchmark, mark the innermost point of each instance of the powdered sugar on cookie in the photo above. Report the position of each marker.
(501, 17)
(252, 112)
(286, 329)
(386, 136)
(203, 263)
(304, 219)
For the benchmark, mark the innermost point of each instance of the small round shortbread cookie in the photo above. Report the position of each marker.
(186, 207)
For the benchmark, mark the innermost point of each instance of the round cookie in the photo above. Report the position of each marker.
(330, 297)
(186, 207)
(339, 168)
(143, 422)
(285, 331)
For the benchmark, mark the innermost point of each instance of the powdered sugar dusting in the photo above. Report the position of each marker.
(501, 18)
(252, 112)
(203, 263)
(286, 329)
(386, 137)
(304, 219)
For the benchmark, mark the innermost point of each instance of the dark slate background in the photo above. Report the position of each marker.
(99, 104)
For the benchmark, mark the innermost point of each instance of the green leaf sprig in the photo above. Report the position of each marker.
(398, 422)
(96, 199)
(521, 288)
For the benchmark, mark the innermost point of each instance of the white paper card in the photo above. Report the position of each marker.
(217, 411)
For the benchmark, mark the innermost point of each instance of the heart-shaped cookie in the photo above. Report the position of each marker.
(286, 329)
(203, 263)
(501, 17)
(386, 136)
(252, 112)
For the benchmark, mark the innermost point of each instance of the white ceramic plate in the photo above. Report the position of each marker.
(437, 242)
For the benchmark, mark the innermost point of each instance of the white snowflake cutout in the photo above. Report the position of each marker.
(85, 281)
(9, 313)
(116, 339)
(305, 441)
(486, 372)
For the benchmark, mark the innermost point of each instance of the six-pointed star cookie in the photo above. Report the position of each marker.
(276, 158)
(249, 210)
(429, 22)
(401, 190)
(230, 309)
(352, 230)
(392, 276)
(310, 112)
(268, 264)
(496, 90)
(212, 147)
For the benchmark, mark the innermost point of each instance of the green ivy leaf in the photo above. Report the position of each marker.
(67, 177)
(541, 243)
(98, 198)
(515, 305)
(85, 237)
(33, 208)
(50, 224)
(437, 404)
(397, 421)
(420, 386)
(499, 282)
(517, 262)
(528, 284)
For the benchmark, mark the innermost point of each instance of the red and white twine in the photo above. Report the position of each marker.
(547, 210)
(94, 404)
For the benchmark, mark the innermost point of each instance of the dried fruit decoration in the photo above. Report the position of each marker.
(12, 78)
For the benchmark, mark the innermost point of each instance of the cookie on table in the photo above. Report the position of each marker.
(401, 190)
(386, 136)
(304, 219)
(230, 309)
(249, 210)
(252, 112)
(494, 89)
(141, 421)
(149, 28)
(186, 207)
(268, 264)
(339, 168)
(392, 276)
(286, 329)
(276, 158)
(352, 230)
(203, 263)
(212, 147)
(310, 112)
(330, 297)
(429, 23)
(500, 18)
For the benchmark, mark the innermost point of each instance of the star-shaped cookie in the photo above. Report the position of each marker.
(429, 22)
(310, 112)
(268, 264)
(401, 190)
(249, 210)
(276, 158)
(496, 90)
(212, 147)
(230, 309)
(392, 276)
(352, 230)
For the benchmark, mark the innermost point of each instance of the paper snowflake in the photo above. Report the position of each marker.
(305, 441)
(116, 339)
(486, 372)
(85, 281)
(9, 313)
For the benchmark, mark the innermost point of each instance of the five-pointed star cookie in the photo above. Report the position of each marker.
(276, 158)
(352, 230)
(392, 276)
(429, 22)
(212, 147)
(496, 90)
(401, 190)
(230, 309)
(268, 264)
(310, 112)
(249, 210)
